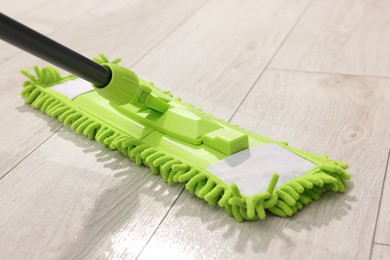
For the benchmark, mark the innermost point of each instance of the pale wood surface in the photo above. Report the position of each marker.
(65, 197)
(210, 68)
(344, 117)
(74, 199)
(88, 38)
(44, 16)
(382, 234)
(380, 252)
(32, 127)
(350, 37)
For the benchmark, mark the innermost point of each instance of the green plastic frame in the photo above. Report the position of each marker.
(140, 145)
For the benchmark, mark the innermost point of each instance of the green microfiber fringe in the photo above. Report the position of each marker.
(283, 201)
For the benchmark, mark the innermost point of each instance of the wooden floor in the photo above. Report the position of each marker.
(314, 73)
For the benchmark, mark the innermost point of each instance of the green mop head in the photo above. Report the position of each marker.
(245, 173)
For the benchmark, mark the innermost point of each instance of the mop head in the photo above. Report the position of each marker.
(245, 173)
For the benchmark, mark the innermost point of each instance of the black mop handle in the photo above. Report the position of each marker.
(41, 46)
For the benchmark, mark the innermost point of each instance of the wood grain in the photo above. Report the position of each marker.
(39, 15)
(380, 252)
(82, 219)
(350, 37)
(344, 117)
(214, 68)
(31, 128)
(24, 129)
(69, 198)
(382, 234)
(75, 199)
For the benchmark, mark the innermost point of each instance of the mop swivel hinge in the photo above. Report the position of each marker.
(125, 87)
(180, 122)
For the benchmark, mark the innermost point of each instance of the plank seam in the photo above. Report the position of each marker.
(162, 220)
(146, 53)
(168, 34)
(63, 25)
(382, 244)
(28, 155)
(328, 73)
(380, 203)
(271, 59)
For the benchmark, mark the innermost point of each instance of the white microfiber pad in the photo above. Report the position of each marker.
(73, 88)
(252, 169)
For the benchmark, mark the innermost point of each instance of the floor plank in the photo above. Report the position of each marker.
(221, 52)
(349, 37)
(380, 252)
(24, 129)
(344, 117)
(382, 234)
(39, 15)
(92, 226)
(73, 198)
(31, 129)
(112, 207)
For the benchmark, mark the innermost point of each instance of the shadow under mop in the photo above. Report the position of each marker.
(258, 235)
(112, 220)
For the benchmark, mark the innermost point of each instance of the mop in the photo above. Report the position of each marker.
(246, 174)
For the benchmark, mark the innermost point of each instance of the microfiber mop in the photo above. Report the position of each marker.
(245, 173)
